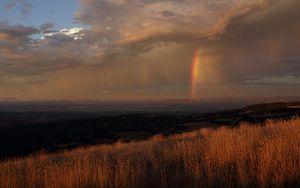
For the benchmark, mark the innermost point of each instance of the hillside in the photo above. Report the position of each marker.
(245, 156)
(23, 133)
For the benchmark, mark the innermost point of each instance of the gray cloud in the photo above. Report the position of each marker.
(125, 23)
(276, 80)
(281, 16)
(46, 27)
(23, 5)
(22, 55)
(16, 35)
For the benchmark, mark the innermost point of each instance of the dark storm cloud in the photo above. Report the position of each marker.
(282, 15)
(261, 45)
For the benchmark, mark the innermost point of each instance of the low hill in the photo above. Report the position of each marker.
(22, 133)
(244, 156)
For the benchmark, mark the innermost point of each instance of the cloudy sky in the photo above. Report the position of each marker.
(147, 49)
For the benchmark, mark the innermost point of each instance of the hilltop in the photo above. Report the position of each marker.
(248, 155)
(22, 133)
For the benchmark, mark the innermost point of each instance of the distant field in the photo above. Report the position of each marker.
(246, 156)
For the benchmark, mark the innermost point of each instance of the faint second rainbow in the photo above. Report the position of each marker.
(195, 73)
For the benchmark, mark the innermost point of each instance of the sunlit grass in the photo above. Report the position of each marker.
(247, 156)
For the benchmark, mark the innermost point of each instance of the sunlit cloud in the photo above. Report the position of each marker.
(147, 22)
(74, 33)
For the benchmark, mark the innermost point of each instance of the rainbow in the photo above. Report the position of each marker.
(195, 73)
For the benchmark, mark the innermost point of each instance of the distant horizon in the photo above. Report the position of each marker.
(175, 106)
(158, 100)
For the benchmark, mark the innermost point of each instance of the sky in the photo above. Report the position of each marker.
(148, 49)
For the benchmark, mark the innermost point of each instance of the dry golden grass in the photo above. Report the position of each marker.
(247, 156)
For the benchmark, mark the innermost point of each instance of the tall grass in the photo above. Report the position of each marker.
(247, 156)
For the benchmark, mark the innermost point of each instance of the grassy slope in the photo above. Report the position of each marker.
(247, 156)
